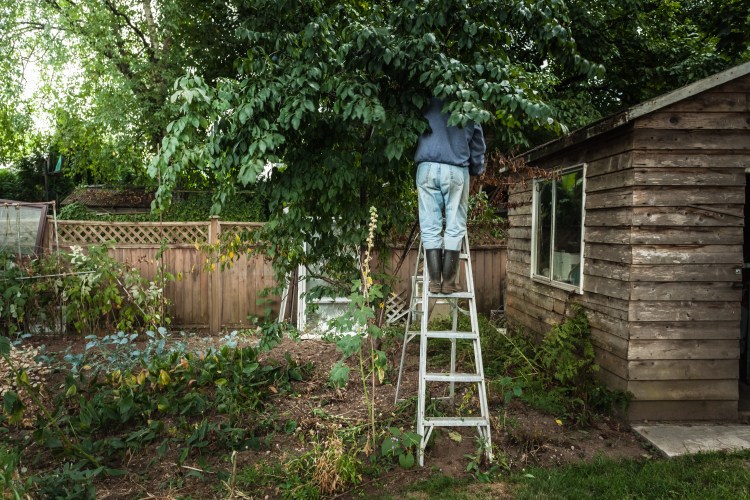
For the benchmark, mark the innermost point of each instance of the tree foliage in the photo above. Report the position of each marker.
(107, 68)
(330, 99)
(648, 47)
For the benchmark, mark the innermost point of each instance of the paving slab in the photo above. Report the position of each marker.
(682, 439)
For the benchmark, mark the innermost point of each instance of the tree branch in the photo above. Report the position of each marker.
(136, 30)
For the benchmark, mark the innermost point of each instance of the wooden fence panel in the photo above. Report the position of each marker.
(224, 299)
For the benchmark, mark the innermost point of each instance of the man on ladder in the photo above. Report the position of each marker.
(445, 157)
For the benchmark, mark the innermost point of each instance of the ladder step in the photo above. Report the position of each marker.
(453, 377)
(452, 335)
(455, 421)
(456, 295)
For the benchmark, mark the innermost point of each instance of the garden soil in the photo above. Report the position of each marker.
(522, 436)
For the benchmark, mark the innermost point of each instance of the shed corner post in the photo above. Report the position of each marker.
(214, 282)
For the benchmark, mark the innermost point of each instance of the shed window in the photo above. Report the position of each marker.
(557, 229)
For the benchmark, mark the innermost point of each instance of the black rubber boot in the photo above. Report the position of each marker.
(434, 259)
(450, 267)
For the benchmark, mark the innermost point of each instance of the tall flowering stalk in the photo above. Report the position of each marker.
(365, 263)
(360, 319)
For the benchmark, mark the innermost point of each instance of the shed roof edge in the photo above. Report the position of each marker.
(623, 117)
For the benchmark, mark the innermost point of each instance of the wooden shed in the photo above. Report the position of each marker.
(644, 226)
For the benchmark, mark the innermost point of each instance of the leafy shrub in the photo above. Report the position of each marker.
(247, 206)
(483, 218)
(88, 292)
(186, 403)
(556, 375)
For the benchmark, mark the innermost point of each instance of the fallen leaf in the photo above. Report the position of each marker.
(455, 436)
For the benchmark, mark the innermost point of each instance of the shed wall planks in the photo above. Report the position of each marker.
(663, 236)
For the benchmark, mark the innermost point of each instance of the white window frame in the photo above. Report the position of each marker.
(534, 232)
(314, 331)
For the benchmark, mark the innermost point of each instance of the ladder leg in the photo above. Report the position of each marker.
(454, 328)
(410, 317)
(422, 371)
(484, 430)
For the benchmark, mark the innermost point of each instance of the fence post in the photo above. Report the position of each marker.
(214, 282)
(49, 236)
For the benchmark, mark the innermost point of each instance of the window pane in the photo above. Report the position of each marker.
(19, 223)
(544, 228)
(568, 216)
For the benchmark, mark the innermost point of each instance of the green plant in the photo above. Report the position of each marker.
(401, 444)
(330, 466)
(482, 216)
(360, 329)
(105, 294)
(114, 403)
(13, 487)
(567, 352)
(477, 464)
(89, 292)
(247, 205)
(558, 374)
(70, 481)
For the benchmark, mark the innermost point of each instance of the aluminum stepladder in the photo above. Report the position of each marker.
(419, 309)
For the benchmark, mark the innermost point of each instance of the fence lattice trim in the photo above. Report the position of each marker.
(131, 234)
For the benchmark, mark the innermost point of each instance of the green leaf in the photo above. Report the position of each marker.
(406, 460)
(339, 374)
(183, 455)
(349, 344)
(71, 391)
(4, 346)
(163, 404)
(125, 405)
(388, 447)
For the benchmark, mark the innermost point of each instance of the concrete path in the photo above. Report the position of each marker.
(674, 440)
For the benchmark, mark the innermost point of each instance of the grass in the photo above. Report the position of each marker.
(448, 488)
(702, 476)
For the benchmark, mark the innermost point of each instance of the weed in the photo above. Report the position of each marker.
(478, 466)
(86, 291)
(401, 444)
(360, 319)
(557, 375)
(10, 480)
(335, 468)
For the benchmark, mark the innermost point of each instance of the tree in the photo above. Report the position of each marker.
(108, 67)
(330, 98)
(648, 48)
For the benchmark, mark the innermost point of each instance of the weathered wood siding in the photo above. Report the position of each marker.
(663, 251)
(609, 194)
(689, 162)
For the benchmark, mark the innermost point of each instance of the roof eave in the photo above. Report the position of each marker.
(610, 123)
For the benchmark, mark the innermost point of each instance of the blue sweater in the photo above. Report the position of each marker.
(463, 147)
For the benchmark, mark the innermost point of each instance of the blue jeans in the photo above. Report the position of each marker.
(442, 187)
